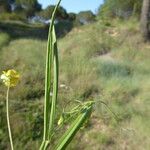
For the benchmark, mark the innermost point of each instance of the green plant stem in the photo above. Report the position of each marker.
(44, 145)
(8, 120)
(48, 125)
(74, 128)
(55, 86)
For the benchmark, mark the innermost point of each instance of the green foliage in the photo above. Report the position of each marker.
(29, 3)
(120, 8)
(4, 39)
(85, 17)
(4, 6)
(75, 126)
(63, 27)
(50, 101)
(119, 76)
(50, 105)
(28, 7)
(12, 16)
(18, 29)
(60, 14)
(71, 16)
(109, 69)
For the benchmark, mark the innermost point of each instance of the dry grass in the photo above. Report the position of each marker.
(123, 83)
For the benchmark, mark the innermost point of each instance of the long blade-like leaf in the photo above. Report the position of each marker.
(75, 126)
(55, 85)
(50, 57)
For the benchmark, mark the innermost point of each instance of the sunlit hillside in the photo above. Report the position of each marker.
(103, 61)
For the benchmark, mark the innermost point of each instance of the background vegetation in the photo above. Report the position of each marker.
(104, 60)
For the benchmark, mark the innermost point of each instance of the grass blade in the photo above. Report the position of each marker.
(49, 106)
(55, 85)
(75, 126)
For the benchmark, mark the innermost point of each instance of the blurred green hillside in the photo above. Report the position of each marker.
(97, 61)
(106, 60)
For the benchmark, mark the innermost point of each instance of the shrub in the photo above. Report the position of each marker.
(12, 16)
(120, 8)
(4, 39)
(85, 17)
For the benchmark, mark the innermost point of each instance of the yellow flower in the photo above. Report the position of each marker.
(10, 78)
(61, 120)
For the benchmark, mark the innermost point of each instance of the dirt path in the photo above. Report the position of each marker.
(106, 57)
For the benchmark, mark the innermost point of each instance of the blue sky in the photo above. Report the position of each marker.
(75, 5)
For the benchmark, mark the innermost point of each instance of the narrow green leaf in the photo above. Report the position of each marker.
(75, 126)
(50, 102)
(55, 85)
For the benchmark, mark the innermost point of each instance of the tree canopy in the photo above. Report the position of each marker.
(47, 12)
(85, 17)
(120, 8)
(4, 6)
(29, 7)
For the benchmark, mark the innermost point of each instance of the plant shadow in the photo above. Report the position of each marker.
(24, 30)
